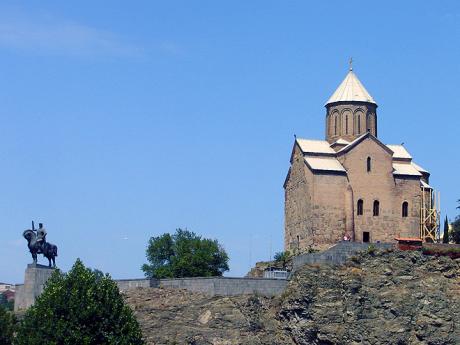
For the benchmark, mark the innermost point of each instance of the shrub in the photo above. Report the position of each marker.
(355, 259)
(282, 257)
(6, 326)
(371, 250)
(8, 305)
(79, 307)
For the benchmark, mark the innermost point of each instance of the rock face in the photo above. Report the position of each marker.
(377, 298)
(171, 316)
(385, 298)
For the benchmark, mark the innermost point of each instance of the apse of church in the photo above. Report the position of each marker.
(351, 185)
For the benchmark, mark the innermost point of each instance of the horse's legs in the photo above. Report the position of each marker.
(49, 261)
(54, 262)
(34, 257)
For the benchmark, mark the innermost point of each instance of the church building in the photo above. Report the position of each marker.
(351, 185)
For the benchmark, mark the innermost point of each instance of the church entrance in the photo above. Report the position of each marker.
(366, 237)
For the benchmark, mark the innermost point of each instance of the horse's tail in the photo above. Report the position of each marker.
(55, 250)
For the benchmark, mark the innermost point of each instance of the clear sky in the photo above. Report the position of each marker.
(121, 121)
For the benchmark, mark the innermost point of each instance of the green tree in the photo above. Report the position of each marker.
(445, 236)
(79, 307)
(6, 326)
(282, 257)
(8, 305)
(455, 234)
(184, 254)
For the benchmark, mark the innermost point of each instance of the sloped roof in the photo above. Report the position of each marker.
(405, 169)
(351, 89)
(359, 139)
(425, 185)
(340, 141)
(324, 164)
(419, 168)
(399, 152)
(315, 146)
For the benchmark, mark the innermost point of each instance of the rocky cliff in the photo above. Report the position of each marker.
(377, 298)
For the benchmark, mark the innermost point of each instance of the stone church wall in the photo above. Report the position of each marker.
(298, 207)
(329, 211)
(408, 189)
(376, 185)
(380, 184)
(314, 207)
(321, 207)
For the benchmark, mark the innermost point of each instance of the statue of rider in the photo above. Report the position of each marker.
(41, 236)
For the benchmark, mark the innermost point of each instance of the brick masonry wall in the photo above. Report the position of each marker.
(298, 206)
(351, 111)
(380, 184)
(329, 217)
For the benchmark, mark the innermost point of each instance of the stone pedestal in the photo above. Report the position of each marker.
(34, 281)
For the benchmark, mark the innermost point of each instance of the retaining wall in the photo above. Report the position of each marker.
(225, 286)
(212, 286)
(126, 284)
(336, 255)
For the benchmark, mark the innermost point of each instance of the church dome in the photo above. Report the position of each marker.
(351, 90)
(350, 111)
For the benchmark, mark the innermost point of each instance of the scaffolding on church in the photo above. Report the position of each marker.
(430, 215)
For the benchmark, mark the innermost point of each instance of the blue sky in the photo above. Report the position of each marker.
(121, 122)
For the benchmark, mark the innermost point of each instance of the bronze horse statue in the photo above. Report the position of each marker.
(40, 247)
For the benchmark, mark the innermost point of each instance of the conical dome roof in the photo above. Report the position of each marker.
(351, 89)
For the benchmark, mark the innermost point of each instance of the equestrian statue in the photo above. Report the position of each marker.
(36, 241)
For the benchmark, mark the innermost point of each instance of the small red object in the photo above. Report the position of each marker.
(409, 243)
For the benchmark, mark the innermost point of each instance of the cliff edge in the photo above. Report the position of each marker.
(389, 297)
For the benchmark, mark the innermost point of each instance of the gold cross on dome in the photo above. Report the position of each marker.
(351, 64)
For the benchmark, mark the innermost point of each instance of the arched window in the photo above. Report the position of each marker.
(346, 124)
(335, 124)
(376, 208)
(359, 121)
(369, 164)
(359, 208)
(405, 209)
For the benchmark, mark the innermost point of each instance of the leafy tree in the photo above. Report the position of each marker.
(8, 305)
(6, 326)
(79, 307)
(184, 254)
(2, 300)
(445, 236)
